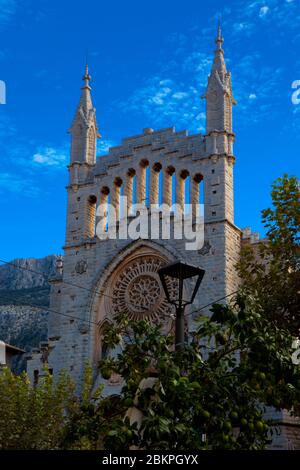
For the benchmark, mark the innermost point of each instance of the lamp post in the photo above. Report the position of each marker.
(181, 272)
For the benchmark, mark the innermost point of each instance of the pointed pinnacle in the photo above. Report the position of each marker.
(219, 39)
(86, 78)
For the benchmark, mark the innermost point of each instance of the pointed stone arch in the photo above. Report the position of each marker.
(130, 285)
(100, 347)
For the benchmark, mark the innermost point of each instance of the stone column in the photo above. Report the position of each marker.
(116, 196)
(195, 193)
(90, 216)
(180, 186)
(103, 201)
(167, 186)
(128, 189)
(141, 183)
(154, 184)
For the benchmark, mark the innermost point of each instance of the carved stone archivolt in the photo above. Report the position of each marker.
(137, 291)
(130, 286)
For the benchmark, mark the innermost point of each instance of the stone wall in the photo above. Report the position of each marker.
(91, 266)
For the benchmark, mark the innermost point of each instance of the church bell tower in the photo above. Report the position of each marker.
(84, 130)
(219, 102)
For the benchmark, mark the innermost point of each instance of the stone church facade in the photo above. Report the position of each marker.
(99, 279)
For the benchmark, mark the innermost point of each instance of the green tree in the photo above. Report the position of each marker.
(50, 415)
(33, 417)
(213, 394)
(89, 417)
(270, 271)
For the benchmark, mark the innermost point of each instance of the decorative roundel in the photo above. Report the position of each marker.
(81, 266)
(137, 291)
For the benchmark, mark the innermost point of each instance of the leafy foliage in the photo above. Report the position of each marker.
(33, 418)
(270, 271)
(48, 416)
(213, 394)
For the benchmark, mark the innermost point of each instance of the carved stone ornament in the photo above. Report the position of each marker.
(81, 266)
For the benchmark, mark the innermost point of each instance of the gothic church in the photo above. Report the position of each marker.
(99, 279)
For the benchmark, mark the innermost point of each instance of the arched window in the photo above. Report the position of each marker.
(169, 184)
(187, 193)
(185, 175)
(142, 183)
(197, 194)
(103, 347)
(77, 144)
(154, 185)
(118, 182)
(180, 187)
(90, 216)
(103, 215)
(129, 188)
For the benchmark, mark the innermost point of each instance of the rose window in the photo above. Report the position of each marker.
(137, 291)
(143, 292)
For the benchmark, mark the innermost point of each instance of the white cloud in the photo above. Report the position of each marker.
(198, 65)
(13, 183)
(157, 100)
(163, 106)
(242, 26)
(263, 11)
(161, 94)
(170, 100)
(179, 95)
(166, 82)
(185, 73)
(251, 73)
(50, 157)
(284, 13)
(103, 146)
(58, 158)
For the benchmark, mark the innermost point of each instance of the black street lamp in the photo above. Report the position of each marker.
(180, 271)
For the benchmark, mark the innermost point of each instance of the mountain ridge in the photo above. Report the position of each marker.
(24, 298)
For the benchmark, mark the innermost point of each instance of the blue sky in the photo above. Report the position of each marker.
(149, 64)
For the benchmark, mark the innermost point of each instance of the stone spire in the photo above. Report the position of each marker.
(86, 99)
(218, 94)
(219, 62)
(84, 130)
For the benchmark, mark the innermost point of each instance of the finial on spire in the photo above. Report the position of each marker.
(86, 78)
(219, 39)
